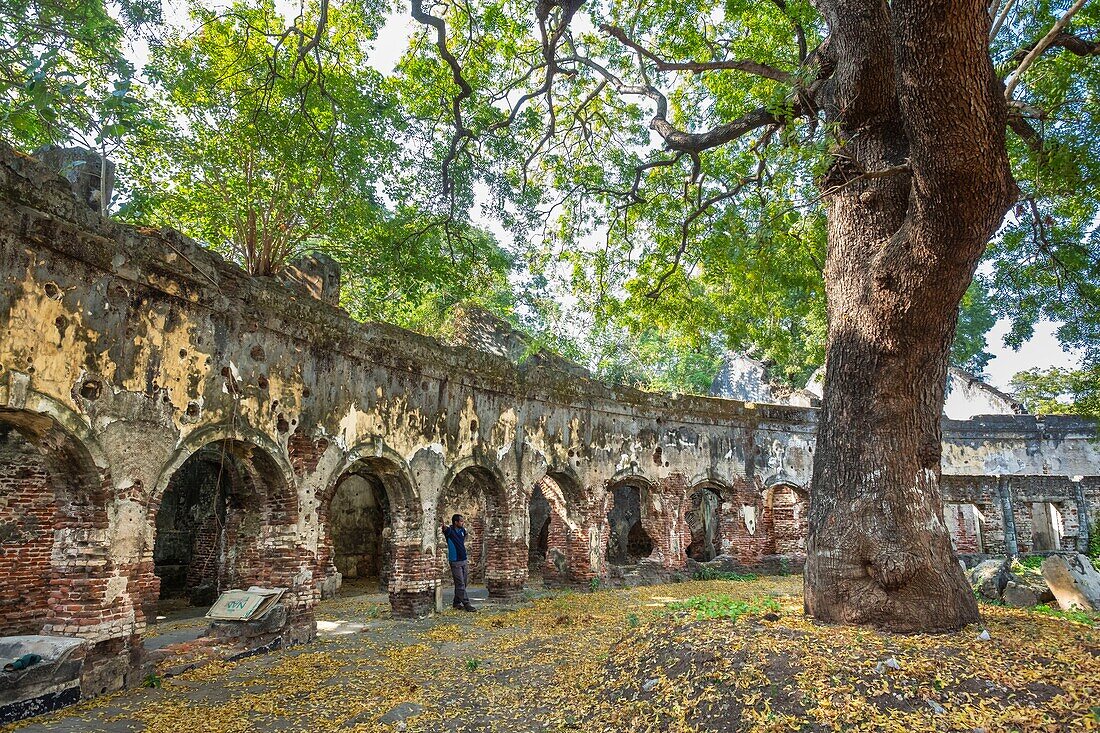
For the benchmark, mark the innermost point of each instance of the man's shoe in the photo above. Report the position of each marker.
(469, 607)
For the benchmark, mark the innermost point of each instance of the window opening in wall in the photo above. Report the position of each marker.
(1047, 527)
(628, 543)
(703, 521)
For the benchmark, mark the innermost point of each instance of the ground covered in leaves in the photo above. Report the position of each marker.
(699, 656)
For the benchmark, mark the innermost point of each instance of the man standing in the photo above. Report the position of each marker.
(456, 554)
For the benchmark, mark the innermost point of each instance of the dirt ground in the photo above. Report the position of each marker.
(698, 656)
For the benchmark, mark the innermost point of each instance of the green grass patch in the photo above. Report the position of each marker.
(1089, 618)
(712, 574)
(707, 607)
(1032, 562)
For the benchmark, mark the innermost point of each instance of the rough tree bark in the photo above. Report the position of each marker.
(920, 183)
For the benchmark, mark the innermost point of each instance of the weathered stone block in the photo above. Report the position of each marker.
(1074, 581)
(272, 622)
(92, 178)
(990, 578)
(1026, 590)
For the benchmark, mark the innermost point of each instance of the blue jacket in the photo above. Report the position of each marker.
(456, 543)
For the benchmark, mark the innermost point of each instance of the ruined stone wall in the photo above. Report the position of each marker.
(998, 514)
(124, 352)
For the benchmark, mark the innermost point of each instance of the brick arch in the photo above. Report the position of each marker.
(572, 490)
(630, 536)
(573, 526)
(272, 452)
(394, 473)
(223, 514)
(497, 553)
(548, 527)
(475, 467)
(395, 543)
(705, 520)
(54, 549)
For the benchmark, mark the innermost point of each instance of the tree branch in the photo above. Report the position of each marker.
(1040, 47)
(1076, 45)
(1000, 19)
(697, 67)
(696, 142)
(461, 132)
(685, 230)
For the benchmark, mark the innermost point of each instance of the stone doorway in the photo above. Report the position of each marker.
(628, 542)
(1047, 527)
(362, 533)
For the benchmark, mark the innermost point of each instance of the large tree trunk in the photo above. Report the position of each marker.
(920, 184)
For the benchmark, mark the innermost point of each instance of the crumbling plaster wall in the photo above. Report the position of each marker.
(149, 347)
(146, 347)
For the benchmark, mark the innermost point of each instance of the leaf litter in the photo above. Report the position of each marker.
(680, 658)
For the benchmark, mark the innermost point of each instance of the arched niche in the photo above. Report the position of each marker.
(478, 494)
(787, 508)
(539, 513)
(52, 507)
(368, 508)
(704, 522)
(213, 523)
(628, 541)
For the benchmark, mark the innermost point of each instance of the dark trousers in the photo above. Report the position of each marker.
(460, 572)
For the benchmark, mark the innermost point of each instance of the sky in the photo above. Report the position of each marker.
(1042, 350)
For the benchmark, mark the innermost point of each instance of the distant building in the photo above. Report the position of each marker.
(742, 377)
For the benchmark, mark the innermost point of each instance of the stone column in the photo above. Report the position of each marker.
(1005, 490)
(506, 544)
(1084, 519)
(415, 578)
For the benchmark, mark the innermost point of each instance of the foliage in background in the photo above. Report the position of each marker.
(976, 317)
(1060, 391)
(273, 142)
(1046, 264)
(64, 78)
(266, 149)
(62, 67)
(725, 247)
(264, 136)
